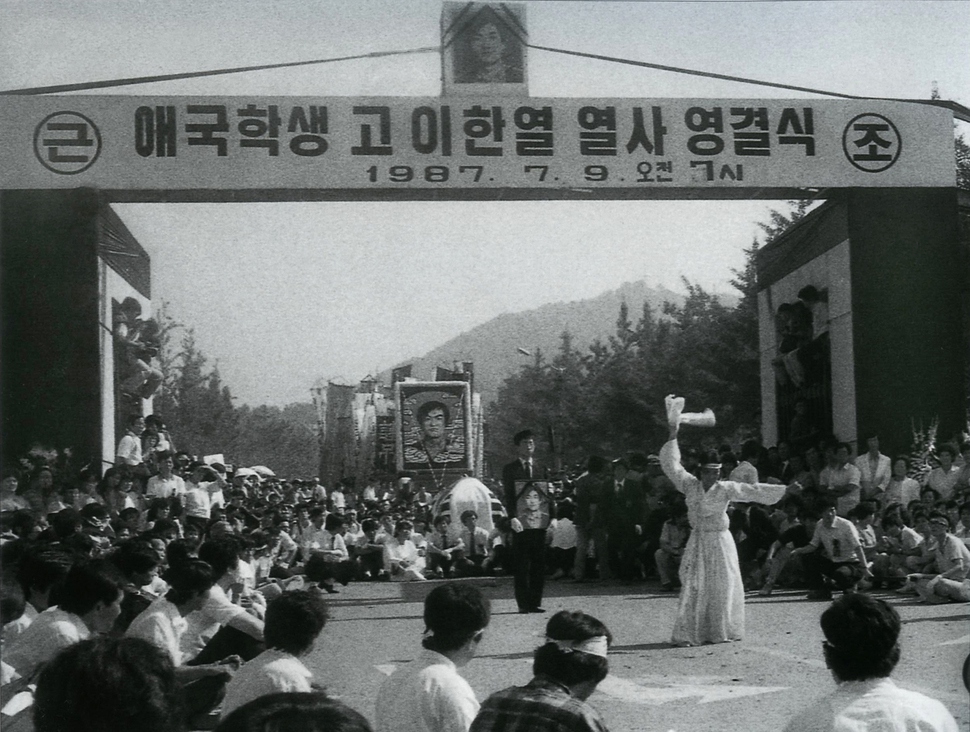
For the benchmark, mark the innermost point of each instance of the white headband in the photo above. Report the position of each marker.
(595, 646)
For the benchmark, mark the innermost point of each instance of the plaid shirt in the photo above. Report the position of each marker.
(542, 705)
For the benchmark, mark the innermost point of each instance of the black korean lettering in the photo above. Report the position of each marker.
(367, 145)
(155, 131)
(639, 137)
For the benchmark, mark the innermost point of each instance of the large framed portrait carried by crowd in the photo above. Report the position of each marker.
(433, 429)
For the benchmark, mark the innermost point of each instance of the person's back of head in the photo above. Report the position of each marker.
(188, 578)
(65, 522)
(12, 602)
(294, 620)
(575, 650)
(453, 614)
(596, 464)
(42, 571)
(294, 712)
(222, 554)
(134, 557)
(87, 584)
(861, 637)
(750, 449)
(107, 684)
(180, 551)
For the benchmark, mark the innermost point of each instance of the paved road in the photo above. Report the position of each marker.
(754, 685)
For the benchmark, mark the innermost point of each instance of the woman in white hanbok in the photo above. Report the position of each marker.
(711, 606)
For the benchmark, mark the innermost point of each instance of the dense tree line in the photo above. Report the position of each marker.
(199, 411)
(609, 399)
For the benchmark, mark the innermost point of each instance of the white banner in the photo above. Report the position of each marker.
(388, 143)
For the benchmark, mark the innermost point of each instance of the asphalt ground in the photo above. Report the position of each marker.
(751, 685)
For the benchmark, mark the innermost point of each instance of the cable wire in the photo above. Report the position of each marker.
(959, 111)
(691, 72)
(83, 86)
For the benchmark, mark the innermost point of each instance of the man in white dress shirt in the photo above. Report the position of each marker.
(428, 694)
(861, 650)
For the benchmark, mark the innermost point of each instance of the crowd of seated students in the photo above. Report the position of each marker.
(912, 531)
(878, 503)
(191, 557)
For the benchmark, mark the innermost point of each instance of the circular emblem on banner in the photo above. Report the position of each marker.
(67, 143)
(871, 142)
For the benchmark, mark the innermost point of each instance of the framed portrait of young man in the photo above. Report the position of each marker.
(484, 48)
(533, 503)
(433, 429)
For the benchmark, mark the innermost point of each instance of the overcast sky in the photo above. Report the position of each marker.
(283, 294)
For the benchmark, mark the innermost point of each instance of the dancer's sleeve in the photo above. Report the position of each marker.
(670, 462)
(754, 492)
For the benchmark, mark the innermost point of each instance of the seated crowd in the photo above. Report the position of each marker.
(209, 582)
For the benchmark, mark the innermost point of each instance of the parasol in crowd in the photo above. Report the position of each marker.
(246, 472)
(464, 494)
(262, 471)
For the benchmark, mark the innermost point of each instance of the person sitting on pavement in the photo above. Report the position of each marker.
(861, 649)
(779, 566)
(567, 669)
(428, 694)
(221, 627)
(833, 555)
(368, 554)
(163, 624)
(89, 602)
(442, 547)
(294, 621)
(40, 573)
(673, 539)
(401, 555)
(950, 580)
(474, 539)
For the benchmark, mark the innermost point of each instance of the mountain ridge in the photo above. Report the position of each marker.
(494, 346)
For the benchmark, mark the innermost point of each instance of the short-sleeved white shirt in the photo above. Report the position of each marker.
(162, 625)
(840, 541)
(839, 477)
(216, 611)
(271, 671)
(159, 487)
(51, 631)
(948, 552)
(129, 450)
(873, 705)
(426, 695)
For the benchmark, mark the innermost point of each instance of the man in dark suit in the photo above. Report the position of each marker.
(528, 545)
(624, 511)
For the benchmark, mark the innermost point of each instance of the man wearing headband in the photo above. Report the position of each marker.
(428, 694)
(861, 649)
(567, 669)
(711, 606)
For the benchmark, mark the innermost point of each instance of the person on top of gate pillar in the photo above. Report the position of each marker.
(139, 340)
(528, 542)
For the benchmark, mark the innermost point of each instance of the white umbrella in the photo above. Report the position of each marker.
(468, 493)
(262, 471)
(245, 472)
